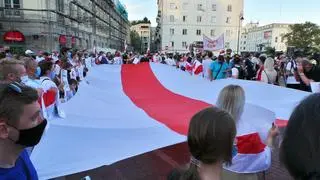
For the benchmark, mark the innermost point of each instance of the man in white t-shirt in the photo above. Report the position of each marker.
(290, 72)
(206, 65)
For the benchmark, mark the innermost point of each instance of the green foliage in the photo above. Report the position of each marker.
(270, 51)
(145, 20)
(135, 41)
(305, 37)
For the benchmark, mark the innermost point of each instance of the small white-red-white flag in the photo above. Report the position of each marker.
(197, 67)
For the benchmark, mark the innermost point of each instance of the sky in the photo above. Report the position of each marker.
(262, 11)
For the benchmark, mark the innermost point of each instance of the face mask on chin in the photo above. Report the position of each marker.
(23, 79)
(31, 137)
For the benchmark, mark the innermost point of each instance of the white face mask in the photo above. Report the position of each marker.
(24, 79)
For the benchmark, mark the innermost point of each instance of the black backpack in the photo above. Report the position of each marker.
(241, 72)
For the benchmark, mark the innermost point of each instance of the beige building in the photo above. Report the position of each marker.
(182, 23)
(144, 31)
(52, 24)
(255, 38)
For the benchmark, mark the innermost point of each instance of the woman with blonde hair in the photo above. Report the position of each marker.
(269, 74)
(250, 154)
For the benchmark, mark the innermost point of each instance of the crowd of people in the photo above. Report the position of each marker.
(295, 72)
(33, 86)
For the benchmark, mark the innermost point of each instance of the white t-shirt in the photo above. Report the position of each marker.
(290, 67)
(34, 83)
(47, 83)
(235, 72)
(206, 66)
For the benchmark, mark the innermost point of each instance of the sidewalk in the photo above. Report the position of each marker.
(157, 164)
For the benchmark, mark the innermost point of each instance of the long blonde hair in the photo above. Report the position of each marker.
(269, 64)
(232, 99)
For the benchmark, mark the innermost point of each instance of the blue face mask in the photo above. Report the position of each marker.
(38, 72)
(52, 75)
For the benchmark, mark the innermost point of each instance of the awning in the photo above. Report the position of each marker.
(13, 36)
(63, 39)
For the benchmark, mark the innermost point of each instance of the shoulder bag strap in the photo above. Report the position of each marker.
(218, 72)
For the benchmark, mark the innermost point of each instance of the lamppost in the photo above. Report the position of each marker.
(241, 18)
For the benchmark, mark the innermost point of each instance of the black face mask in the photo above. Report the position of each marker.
(31, 137)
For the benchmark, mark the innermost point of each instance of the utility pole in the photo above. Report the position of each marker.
(239, 28)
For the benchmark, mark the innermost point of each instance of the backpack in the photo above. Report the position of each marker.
(241, 72)
(249, 72)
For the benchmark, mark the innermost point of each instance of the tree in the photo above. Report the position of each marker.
(305, 37)
(135, 41)
(145, 20)
(270, 51)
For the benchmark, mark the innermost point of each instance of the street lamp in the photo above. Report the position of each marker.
(241, 18)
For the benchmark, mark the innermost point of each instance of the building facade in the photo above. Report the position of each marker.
(144, 31)
(182, 23)
(255, 38)
(51, 24)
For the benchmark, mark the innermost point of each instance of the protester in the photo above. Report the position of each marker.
(232, 100)
(256, 61)
(218, 69)
(206, 65)
(237, 70)
(291, 75)
(269, 74)
(21, 126)
(261, 67)
(33, 72)
(210, 141)
(250, 73)
(12, 70)
(299, 150)
(308, 73)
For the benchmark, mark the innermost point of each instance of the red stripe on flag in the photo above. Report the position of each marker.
(198, 70)
(143, 88)
(175, 111)
(250, 144)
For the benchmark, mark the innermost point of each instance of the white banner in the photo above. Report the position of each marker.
(213, 45)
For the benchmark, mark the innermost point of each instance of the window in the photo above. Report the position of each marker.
(172, 6)
(214, 7)
(12, 4)
(184, 18)
(199, 7)
(184, 44)
(171, 31)
(171, 18)
(244, 42)
(199, 18)
(276, 40)
(184, 32)
(198, 32)
(228, 21)
(213, 19)
(185, 6)
(229, 9)
(212, 33)
(227, 45)
(172, 43)
(228, 33)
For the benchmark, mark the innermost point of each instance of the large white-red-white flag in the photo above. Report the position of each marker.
(213, 45)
